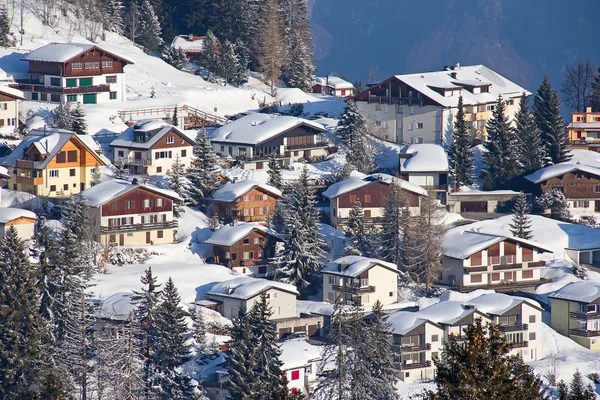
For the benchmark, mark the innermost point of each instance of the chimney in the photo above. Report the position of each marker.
(327, 80)
(45, 130)
(229, 289)
(445, 68)
(468, 306)
(588, 110)
(453, 75)
(235, 222)
(457, 65)
(191, 37)
(134, 181)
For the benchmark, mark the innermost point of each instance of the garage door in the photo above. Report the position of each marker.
(473, 206)
(89, 98)
(312, 329)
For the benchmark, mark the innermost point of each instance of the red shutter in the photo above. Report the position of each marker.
(295, 374)
(256, 255)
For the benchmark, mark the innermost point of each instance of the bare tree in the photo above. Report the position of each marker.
(577, 84)
(271, 49)
(132, 21)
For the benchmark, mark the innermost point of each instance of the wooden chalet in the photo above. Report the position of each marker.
(247, 201)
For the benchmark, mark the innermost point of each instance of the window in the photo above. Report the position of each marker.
(490, 107)
(183, 153)
(476, 278)
(434, 355)
(367, 198)
(532, 319)
(53, 173)
(256, 241)
(228, 211)
(246, 241)
(158, 170)
(72, 98)
(419, 125)
(61, 157)
(377, 123)
(34, 96)
(531, 335)
(72, 156)
(112, 238)
(407, 374)
(114, 206)
(391, 294)
(246, 255)
(332, 280)
(107, 64)
(295, 374)
(581, 204)
(76, 65)
(352, 198)
(53, 188)
(597, 189)
(129, 204)
(159, 202)
(66, 186)
(591, 308)
(146, 203)
(246, 198)
(92, 65)
(54, 81)
(71, 82)
(120, 153)
(159, 234)
(377, 107)
(495, 276)
(44, 96)
(582, 307)
(111, 79)
(55, 98)
(170, 139)
(510, 102)
(561, 188)
(112, 95)
(261, 211)
(72, 172)
(222, 148)
(85, 82)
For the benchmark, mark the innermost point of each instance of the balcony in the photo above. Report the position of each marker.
(353, 289)
(27, 87)
(407, 348)
(25, 164)
(583, 332)
(468, 270)
(499, 287)
(305, 146)
(367, 220)
(26, 180)
(138, 227)
(136, 161)
(503, 267)
(410, 101)
(581, 316)
(413, 365)
(513, 328)
(435, 188)
(518, 345)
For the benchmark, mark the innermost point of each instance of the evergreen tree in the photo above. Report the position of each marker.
(171, 350)
(243, 60)
(175, 118)
(361, 155)
(546, 111)
(500, 156)
(299, 65)
(96, 176)
(150, 29)
(240, 361)
(178, 183)
(350, 125)
(202, 175)
(299, 264)
(563, 390)
(119, 168)
(78, 124)
(530, 150)
(554, 200)
(520, 225)
(478, 366)
(430, 231)
(595, 95)
(5, 40)
(341, 174)
(175, 57)
(578, 390)
(359, 235)
(358, 356)
(237, 20)
(271, 51)
(21, 327)
(460, 153)
(228, 63)
(199, 328)
(61, 117)
(278, 221)
(274, 172)
(113, 10)
(210, 53)
(389, 237)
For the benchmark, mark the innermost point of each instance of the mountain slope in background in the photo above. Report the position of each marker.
(523, 40)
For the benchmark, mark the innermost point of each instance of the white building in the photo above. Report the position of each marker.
(362, 281)
(23, 221)
(151, 147)
(421, 107)
(9, 109)
(300, 364)
(333, 86)
(426, 165)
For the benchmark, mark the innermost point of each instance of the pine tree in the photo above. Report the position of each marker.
(271, 51)
(341, 174)
(299, 264)
(278, 220)
(175, 57)
(361, 155)
(243, 60)
(431, 230)
(228, 63)
(578, 390)
(359, 235)
(478, 366)
(460, 153)
(210, 53)
(150, 29)
(113, 10)
(299, 66)
(554, 200)
(520, 225)
(78, 124)
(500, 156)
(546, 111)
(171, 350)
(350, 125)
(274, 172)
(199, 328)
(359, 355)
(61, 117)
(530, 151)
(202, 175)
(5, 40)
(240, 362)
(178, 183)
(21, 327)
(595, 95)
(389, 237)
(119, 168)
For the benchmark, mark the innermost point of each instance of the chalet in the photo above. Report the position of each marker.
(575, 313)
(192, 46)
(74, 72)
(473, 260)
(468, 200)
(245, 290)
(9, 110)
(23, 221)
(126, 213)
(421, 107)
(579, 183)
(53, 163)
(372, 191)
(361, 280)
(151, 147)
(584, 129)
(300, 364)
(426, 165)
(418, 337)
(254, 137)
(113, 315)
(247, 200)
(244, 247)
(333, 86)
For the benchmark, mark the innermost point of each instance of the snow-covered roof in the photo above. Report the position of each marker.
(228, 235)
(231, 191)
(116, 306)
(256, 128)
(183, 42)
(472, 75)
(499, 303)
(4, 173)
(245, 287)
(353, 183)
(63, 52)
(582, 291)
(584, 125)
(552, 171)
(8, 214)
(106, 191)
(353, 266)
(333, 82)
(49, 142)
(466, 191)
(298, 353)
(12, 92)
(425, 158)
(161, 128)
(462, 244)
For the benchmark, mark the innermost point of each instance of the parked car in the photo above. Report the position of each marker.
(286, 336)
(300, 335)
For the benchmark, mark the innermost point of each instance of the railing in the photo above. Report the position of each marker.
(137, 161)
(353, 289)
(513, 328)
(536, 264)
(518, 345)
(583, 316)
(208, 117)
(435, 187)
(138, 227)
(583, 332)
(26, 180)
(306, 146)
(500, 287)
(405, 366)
(507, 266)
(367, 220)
(475, 269)
(406, 348)
(395, 100)
(62, 90)
(25, 164)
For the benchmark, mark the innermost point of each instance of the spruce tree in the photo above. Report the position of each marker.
(5, 40)
(228, 62)
(175, 57)
(119, 168)
(78, 124)
(199, 329)
(595, 95)
(546, 111)
(578, 390)
(358, 356)
(389, 236)
(113, 10)
(299, 65)
(461, 155)
(520, 225)
(271, 50)
(171, 349)
(361, 155)
(274, 173)
(202, 175)
(178, 183)
(556, 203)
(150, 31)
(240, 362)
(243, 60)
(430, 231)
(278, 220)
(210, 53)
(500, 156)
(350, 125)
(530, 150)
(61, 117)
(175, 119)
(359, 236)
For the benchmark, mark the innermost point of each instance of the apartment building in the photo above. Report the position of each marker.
(361, 280)
(585, 127)
(426, 165)
(421, 107)
(9, 109)
(246, 200)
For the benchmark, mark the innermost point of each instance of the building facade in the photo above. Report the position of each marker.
(73, 72)
(24, 222)
(9, 110)
(585, 127)
(247, 201)
(333, 86)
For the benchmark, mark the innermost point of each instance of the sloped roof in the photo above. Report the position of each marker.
(353, 183)
(246, 287)
(228, 235)
(333, 82)
(298, 353)
(256, 128)
(581, 291)
(425, 158)
(12, 92)
(555, 170)
(464, 244)
(356, 265)
(499, 303)
(104, 192)
(183, 42)
(161, 128)
(8, 214)
(116, 307)
(64, 52)
(231, 191)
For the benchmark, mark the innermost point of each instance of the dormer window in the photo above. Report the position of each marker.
(170, 139)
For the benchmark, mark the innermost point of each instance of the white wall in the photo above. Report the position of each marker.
(283, 304)
(9, 117)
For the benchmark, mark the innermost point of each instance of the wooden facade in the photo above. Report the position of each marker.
(575, 185)
(179, 140)
(254, 206)
(254, 249)
(374, 195)
(92, 56)
(133, 203)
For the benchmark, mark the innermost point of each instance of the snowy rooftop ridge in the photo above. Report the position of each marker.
(104, 192)
(64, 52)
(333, 82)
(228, 235)
(425, 158)
(462, 244)
(232, 191)
(552, 171)
(353, 183)
(126, 139)
(246, 287)
(353, 266)
(196, 44)
(298, 353)
(116, 306)
(256, 128)
(8, 214)
(12, 92)
(581, 291)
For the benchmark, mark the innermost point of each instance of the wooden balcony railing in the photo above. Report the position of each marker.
(26, 180)
(519, 345)
(468, 270)
(583, 332)
(499, 287)
(62, 90)
(414, 365)
(25, 164)
(137, 161)
(138, 227)
(502, 267)
(583, 316)
(353, 289)
(513, 328)
(407, 348)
